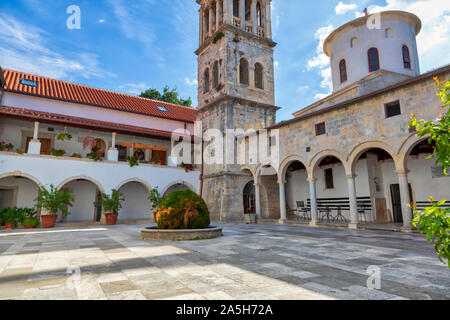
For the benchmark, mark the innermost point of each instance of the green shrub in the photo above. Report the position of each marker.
(182, 209)
(54, 200)
(11, 216)
(31, 222)
(111, 203)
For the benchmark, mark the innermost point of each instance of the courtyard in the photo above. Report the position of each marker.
(249, 262)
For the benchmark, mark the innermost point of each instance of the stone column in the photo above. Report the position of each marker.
(313, 197)
(34, 146)
(113, 153)
(268, 20)
(353, 202)
(242, 4)
(283, 214)
(406, 200)
(254, 17)
(258, 200)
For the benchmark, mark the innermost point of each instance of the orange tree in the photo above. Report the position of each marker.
(434, 220)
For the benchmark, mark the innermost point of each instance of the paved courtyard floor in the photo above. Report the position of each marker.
(248, 262)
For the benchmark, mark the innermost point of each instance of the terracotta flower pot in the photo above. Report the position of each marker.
(8, 226)
(111, 218)
(48, 221)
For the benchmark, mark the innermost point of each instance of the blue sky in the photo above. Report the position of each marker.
(129, 46)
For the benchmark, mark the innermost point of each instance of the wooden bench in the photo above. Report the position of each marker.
(325, 206)
(420, 205)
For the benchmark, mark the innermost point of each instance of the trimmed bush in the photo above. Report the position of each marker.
(182, 209)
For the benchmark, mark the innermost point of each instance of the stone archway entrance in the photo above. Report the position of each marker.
(249, 198)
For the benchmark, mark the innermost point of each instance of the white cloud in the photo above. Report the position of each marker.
(190, 82)
(343, 8)
(133, 88)
(101, 21)
(321, 61)
(434, 38)
(24, 48)
(320, 96)
(276, 64)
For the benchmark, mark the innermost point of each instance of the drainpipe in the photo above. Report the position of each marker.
(201, 170)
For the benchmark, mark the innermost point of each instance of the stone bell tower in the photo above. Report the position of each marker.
(235, 89)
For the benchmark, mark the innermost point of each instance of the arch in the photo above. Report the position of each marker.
(262, 166)
(82, 177)
(343, 70)
(206, 81)
(249, 168)
(187, 184)
(374, 59)
(216, 74)
(318, 157)
(406, 57)
(21, 174)
(243, 71)
(259, 76)
(259, 14)
(356, 153)
(286, 163)
(408, 145)
(144, 183)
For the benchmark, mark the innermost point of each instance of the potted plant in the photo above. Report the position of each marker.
(155, 198)
(111, 205)
(95, 155)
(64, 136)
(51, 201)
(57, 152)
(132, 161)
(30, 219)
(156, 161)
(187, 167)
(249, 216)
(10, 218)
(5, 146)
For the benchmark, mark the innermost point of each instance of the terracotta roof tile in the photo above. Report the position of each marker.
(61, 90)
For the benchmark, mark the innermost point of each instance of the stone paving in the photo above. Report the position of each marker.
(248, 262)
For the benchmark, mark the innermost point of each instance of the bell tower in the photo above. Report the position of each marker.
(235, 89)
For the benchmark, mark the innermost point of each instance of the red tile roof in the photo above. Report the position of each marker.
(61, 90)
(83, 122)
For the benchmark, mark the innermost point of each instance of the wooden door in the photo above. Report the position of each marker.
(160, 155)
(45, 145)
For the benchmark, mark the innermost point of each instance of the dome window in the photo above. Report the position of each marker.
(343, 70)
(406, 58)
(374, 60)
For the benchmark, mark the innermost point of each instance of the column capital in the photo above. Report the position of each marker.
(312, 180)
(257, 185)
(351, 176)
(402, 173)
(282, 182)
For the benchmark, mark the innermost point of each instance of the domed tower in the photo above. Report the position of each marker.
(379, 43)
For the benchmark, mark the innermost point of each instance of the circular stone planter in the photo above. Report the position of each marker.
(179, 235)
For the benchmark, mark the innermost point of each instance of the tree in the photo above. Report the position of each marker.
(435, 220)
(170, 96)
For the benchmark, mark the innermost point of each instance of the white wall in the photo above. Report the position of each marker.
(83, 209)
(136, 205)
(25, 191)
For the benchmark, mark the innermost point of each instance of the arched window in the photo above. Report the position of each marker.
(206, 81)
(374, 61)
(206, 23)
(353, 42)
(259, 14)
(243, 71)
(216, 74)
(214, 12)
(259, 76)
(343, 70)
(236, 10)
(406, 57)
(249, 198)
(248, 11)
(389, 33)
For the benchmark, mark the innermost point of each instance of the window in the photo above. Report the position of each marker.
(220, 11)
(122, 152)
(406, 58)
(206, 81)
(392, 109)
(259, 76)
(343, 70)
(329, 181)
(27, 82)
(321, 129)
(259, 14)
(389, 33)
(248, 13)
(206, 23)
(236, 8)
(243, 71)
(374, 61)
(216, 74)
(162, 108)
(353, 42)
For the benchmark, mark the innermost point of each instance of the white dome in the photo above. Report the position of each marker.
(352, 42)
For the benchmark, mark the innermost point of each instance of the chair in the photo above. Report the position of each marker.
(303, 211)
(325, 212)
(362, 211)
